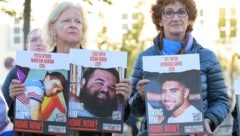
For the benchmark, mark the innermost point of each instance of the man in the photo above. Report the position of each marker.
(98, 95)
(174, 97)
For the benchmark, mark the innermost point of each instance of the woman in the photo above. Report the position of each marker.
(11, 86)
(66, 28)
(174, 21)
(35, 42)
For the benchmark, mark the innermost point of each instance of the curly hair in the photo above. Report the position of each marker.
(159, 7)
(157, 10)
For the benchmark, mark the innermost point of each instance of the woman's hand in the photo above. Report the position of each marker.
(207, 124)
(140, 87)
(124, 88)
(16, 88)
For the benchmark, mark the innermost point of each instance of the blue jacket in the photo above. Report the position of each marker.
(214, 92)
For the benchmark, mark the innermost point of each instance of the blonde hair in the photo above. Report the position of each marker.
(57, 10)
(159, 7)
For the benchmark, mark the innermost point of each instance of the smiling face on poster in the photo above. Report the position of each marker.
(93, 95)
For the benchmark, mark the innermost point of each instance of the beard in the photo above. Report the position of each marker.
(95, 106)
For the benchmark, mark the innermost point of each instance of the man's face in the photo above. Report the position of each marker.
(101, 85)
(98, 93)
(52, 86)
(173, 95)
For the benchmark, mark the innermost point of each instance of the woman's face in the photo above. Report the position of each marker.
(176, 25)
(68, 27)
(36, 42)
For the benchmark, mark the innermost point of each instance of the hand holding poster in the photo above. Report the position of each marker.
(173, 95)
(94, 104)
(42, 107)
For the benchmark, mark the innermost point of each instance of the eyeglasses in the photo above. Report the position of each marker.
(169, 13)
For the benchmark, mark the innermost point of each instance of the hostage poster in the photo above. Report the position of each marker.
(42, 108)
(94, 104)
(173, 95)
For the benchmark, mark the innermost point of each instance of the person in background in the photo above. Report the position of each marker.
(6, 126)
(35, 42)
(66, 28)
(174, 21)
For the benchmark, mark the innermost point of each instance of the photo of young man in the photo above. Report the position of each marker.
(174, 96)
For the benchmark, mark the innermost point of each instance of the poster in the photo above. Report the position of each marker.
(94, 104)
(173, 95)
(42, 108)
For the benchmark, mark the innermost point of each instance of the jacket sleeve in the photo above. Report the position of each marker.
(217, 98)
(6, 84)
(127, 111)
(136, 103)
